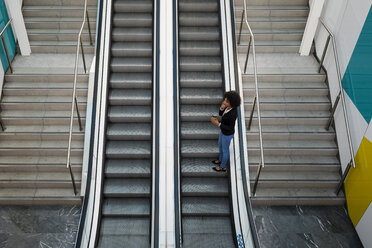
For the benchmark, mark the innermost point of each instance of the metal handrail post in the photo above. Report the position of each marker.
(90, 32)
(333, 110)
(324, 53)
(241, 26)
(251, 115)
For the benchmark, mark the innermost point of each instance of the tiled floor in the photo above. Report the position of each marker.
(307, 227)
(38, 226)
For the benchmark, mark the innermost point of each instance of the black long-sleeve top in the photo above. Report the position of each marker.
(228, 121)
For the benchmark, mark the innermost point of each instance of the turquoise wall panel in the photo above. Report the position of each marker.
(357, 80)
(8, 37)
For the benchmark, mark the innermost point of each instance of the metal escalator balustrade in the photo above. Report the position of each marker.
(127, 184)
(205, 204)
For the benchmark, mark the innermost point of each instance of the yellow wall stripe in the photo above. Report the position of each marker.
(358, 184)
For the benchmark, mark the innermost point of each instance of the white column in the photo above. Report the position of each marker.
(316, 7)
(166, 156)
(18, 24)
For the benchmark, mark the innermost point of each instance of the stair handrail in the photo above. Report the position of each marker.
(256, 100)
(9, 62)
(74, 102)
(339, 97)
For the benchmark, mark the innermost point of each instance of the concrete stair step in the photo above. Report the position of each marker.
(40, 108)
(10, 135)
(286, 178)
(309, 79)
(57, 11)
(273, 11)
(286, 91)
(273, 3)
(294, 160)
(277, 169)
(290, 106)
(57, 23)
(274, 23)
(25, 90)
(295, 151)
(58, 2)
(273, 47)
(24, 151)
(329, 184)
(44, 78)
(40, 196)
(59, 47)
(291, 136)
(39, 120)
(289, 197)
(51, 35)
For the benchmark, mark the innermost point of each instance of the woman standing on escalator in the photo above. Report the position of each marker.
(229, 113)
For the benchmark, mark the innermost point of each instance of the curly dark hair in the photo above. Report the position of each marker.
(233, 98)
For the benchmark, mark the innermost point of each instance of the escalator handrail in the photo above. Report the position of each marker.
(243, 157)
(156, 127)
(93, 125)
(176, 116)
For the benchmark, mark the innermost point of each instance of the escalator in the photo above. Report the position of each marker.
(206, 215)
(126, 206)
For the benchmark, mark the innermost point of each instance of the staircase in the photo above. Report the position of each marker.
(206, 214)
(36, 114)
(53, 25)
(301, 156)
(36, 108)
(126, 206)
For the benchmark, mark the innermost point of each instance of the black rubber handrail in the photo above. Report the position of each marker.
(91, 145)
(241, 136)
(176, 118)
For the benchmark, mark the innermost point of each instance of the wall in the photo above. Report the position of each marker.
(351, 23)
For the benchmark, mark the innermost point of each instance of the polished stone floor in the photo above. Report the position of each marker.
(38, 226)
(308, 227)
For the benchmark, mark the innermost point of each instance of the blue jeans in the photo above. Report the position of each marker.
(223, 145)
